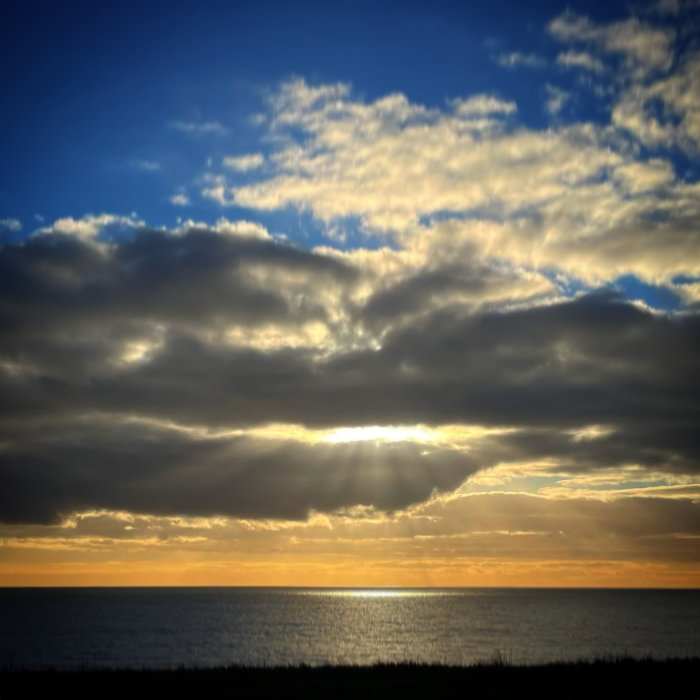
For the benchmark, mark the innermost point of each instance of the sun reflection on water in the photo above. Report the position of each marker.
(375, 592)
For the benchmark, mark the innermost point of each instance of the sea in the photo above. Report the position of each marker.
(78, 628)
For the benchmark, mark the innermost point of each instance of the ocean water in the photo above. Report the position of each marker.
(203, 627)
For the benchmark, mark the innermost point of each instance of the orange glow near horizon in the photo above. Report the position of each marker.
(494, 539)
(357, 574)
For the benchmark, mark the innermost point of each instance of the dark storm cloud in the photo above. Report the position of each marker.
(65, 304)
(59, 468)
(415, 293)
(664, 447)
(593, 360)
(198, 276)
(66, 308)
(590, 360)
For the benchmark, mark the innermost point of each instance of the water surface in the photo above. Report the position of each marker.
(171, 627)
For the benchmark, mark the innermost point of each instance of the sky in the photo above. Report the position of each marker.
(350, 294)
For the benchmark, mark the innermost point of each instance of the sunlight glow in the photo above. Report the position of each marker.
(592, 432)
(375, 592)
(380, 433)
(139, 351)
(452, 435)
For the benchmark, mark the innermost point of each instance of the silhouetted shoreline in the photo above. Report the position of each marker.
(611, 678)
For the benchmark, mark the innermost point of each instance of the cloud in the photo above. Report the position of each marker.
(296, 97)
(645, 49)
(91, 227)
(674, 7)
(580, 59)
(516, 59)
(677, 123)
(572, 541)
(13, 225)
(240, 228)
(482, 105)
(556, 99)
(179, 199)
(442, 184)
(141, 376)
(391, 162)
(244, 163)
(648, 176)
(447, 285)
(161, 472)
(138, 275)
(149, 166)
(671, 7)
(197, 128)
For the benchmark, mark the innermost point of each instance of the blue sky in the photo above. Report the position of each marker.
(89, 102)
(450, 249)
(94, 108)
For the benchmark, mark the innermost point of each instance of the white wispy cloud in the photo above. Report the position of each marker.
(11, 224)
(657, 105)
(679, 94)
(649, 176)
(145, 165)
(482, 105)
(580, 59)
(90, 226)
(556, 99)
(295, 96)
(646, 48)
(573, 197)
(515, 59)
(209, 127)
(179, 199)
(244, 163)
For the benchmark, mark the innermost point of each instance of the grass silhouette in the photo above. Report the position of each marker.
(602, 678)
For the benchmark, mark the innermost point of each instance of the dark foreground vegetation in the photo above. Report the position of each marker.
(618, 678)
